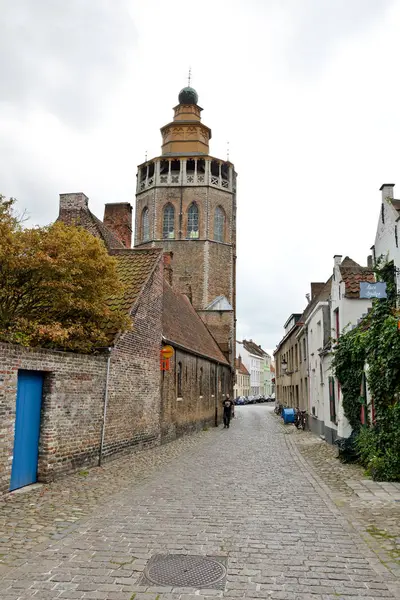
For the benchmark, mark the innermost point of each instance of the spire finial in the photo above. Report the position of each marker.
(227, 151)
(145, 156)
(189, 76)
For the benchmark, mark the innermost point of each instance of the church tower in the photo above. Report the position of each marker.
(186, 203)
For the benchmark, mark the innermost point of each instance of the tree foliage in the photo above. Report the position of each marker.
(54, 285)
(375, 342)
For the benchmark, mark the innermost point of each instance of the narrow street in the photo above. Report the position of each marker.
(244, 496)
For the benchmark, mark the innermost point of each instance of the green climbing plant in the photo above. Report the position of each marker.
(376, 343)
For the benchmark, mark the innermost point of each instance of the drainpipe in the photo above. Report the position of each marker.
(216, 396)
(103, 427)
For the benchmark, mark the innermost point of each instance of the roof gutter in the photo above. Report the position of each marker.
(180, 347)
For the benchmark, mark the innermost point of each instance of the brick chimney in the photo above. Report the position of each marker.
(370, 263)
(118, 218)
(168, 273)
(387, 190)
(316, 289)
(77, 201)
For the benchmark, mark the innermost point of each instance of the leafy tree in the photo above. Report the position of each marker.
(54, 285)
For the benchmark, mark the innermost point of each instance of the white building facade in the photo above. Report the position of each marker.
(388, 230)
(346, 310)
(253, 360)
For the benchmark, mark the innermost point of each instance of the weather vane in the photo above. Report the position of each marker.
(189, 76)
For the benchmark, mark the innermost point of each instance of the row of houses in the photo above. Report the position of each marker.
(303, 357)
(254, 370)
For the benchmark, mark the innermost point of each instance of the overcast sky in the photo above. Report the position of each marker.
(306, 92)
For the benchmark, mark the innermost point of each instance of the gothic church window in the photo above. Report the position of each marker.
(169, 222)
(193, 222)
(145, 225)
(219, 224)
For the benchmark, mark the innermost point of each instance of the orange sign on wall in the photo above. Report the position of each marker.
(166, 354)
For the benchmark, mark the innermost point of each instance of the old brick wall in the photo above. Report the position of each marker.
(72, 409)
(133, 415)
(200, 396)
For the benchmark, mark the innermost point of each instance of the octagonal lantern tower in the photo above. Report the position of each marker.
(186, 204)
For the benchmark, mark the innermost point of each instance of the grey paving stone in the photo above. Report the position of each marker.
(265, 510)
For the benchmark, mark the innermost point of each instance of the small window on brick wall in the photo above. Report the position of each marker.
(179, 380)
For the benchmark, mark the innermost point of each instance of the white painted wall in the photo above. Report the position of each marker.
(385, 239)
(254, 366)
(350, 311)
(315, 339)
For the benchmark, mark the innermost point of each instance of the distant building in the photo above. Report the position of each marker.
(303, 358)
(242, 385)
(258, 364)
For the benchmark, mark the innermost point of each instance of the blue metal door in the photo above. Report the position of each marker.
(27, 429)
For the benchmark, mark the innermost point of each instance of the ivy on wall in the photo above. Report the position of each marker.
(375, 342)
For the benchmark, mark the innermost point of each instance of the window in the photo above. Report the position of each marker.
(304, 349)
(337, 324)
(332, 406)
(201, 381)
(179, 380)
(145, 225)
(193, 222)
(219, 224)
(396, 237)
(169, 222)
(383, 213)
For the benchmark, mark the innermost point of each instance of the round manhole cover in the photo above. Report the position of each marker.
(185, 571)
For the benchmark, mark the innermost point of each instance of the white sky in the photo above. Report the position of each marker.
(306, 92)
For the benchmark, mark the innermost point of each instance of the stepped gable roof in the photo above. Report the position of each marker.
(239, 366)
(183, 326)
(134, 268)
(86, 219)
(352, 274)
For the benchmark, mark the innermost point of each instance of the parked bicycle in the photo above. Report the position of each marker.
(300, 419)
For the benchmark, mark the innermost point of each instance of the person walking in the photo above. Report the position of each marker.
(228, 406)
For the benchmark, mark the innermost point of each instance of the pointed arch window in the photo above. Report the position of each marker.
(193, 222)
(169, 222)
(145, 225)
(219, 224)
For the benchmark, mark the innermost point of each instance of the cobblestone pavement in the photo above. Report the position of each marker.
(373, 508)
(245, 495)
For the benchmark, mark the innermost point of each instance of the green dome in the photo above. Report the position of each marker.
(188, 96)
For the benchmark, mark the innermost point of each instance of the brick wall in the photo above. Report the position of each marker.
(133, 415)
(72, 408)
(199, 398)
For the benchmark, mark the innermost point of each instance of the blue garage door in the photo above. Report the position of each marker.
(27, 429)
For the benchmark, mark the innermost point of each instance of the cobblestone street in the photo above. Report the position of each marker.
(255, 497)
